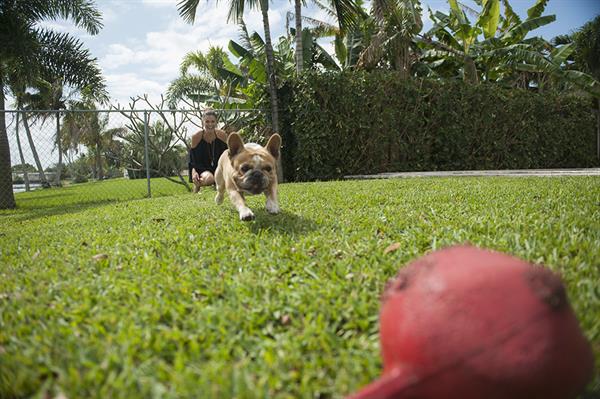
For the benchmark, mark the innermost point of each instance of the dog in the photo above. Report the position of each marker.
(248, 169)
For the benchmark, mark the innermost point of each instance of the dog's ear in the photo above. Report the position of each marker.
(235, 144)
(274, 144)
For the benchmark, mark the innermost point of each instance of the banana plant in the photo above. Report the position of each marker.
(504, 36)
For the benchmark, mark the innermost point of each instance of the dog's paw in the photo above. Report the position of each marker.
(246, 215)
(219, 198)
(272, 207)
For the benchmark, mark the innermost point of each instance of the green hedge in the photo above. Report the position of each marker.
(337, 124)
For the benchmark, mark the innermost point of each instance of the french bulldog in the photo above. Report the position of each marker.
(248, 169)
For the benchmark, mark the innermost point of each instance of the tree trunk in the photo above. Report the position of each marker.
(36, 157)
(264, 8)
(25, 173)
(402, 60)
(598, 129)
(470, 71)
(299, 49)
(99, 167)
(7, 197)
(60, 153)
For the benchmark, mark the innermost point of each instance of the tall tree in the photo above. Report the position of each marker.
(298, 20)
(201, 77)
(347, 13)
(587, 55)
(20, 47)
(90, 129)
(587, 47)
(68, 70)
(398, 22)
(187, 9)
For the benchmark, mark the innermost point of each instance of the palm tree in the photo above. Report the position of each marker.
(187, 9)
(587, 47)
(64, 64)
(299, 51)
(398, 22)
(206, 79)
(66, 67)
(34, 152)
(20, 148)
(348, 13)
(90, 129)
(587, 56)
(20, 47)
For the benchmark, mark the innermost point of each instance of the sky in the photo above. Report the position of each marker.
(143, 42)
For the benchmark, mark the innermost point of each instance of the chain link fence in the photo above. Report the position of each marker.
(79, 156)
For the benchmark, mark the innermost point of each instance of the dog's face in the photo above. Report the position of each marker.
(254, 166)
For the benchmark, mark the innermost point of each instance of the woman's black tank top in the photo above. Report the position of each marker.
(205, 156)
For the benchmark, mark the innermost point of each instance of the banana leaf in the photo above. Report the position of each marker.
(537, 9)
(489, 18)
(519, 32)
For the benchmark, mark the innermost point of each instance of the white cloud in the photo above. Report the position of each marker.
(135, 64)
(118, 55)
(126, 85)
(161, 3)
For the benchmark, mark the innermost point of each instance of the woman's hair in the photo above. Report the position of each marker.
(209, 112)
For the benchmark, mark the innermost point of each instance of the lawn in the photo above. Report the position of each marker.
(173, 296)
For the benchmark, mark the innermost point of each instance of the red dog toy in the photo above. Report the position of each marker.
(465, 322)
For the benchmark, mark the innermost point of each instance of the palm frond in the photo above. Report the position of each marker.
(195, 59)
(83, 12)
(185, 86)
(63, 56)
(187, 10)
(561, 39)
(349, 13)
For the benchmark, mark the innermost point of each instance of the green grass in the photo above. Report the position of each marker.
(187, 301)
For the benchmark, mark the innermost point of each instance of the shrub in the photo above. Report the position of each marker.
(80, 179)
(354, 123)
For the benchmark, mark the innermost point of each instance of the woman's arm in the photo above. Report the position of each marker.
(196, 165)
(222, 135)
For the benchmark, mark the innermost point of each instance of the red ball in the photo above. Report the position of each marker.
(465, 322)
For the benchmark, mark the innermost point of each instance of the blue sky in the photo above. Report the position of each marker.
(143, 41)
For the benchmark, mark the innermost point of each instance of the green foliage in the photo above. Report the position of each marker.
(81, 170)
(174, 297)
(587, 42)
(359, 123)
(23, 168)
(166, 155)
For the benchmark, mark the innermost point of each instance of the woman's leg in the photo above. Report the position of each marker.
(207, 178)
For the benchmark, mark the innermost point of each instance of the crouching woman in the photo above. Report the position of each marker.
(207, 146)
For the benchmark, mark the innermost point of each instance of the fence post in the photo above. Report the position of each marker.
(598, 129)
(25, 173)
(146, 152)
(57, 181)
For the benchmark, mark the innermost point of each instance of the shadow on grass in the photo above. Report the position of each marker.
(30, 213)
(283, 223)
